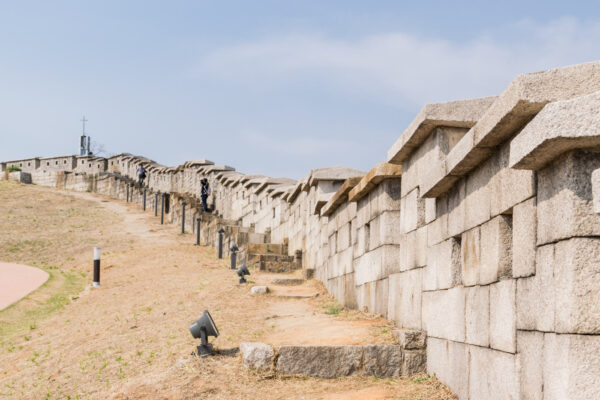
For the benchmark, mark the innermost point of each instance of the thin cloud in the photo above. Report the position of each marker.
(404, 69)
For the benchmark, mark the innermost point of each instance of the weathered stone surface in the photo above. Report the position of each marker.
(565, 199)
(414, 362)
(444, 313)
(596, 190)
(530, 351)
(404, 301)
(576, 271)
(443, 269)
(383, 360)
(410, 339)
(503, 316)
(449, 361)
(257, 355)
(259, 290)
(373, 296)
(524, 238)
(558, 128)
(536, 296)
(571, 366)
(456, 113)
(412, 209)
(470, 257)
(477, 316)
(492, 374)
(496, 250)
(320, 361)
(377, 264)
(456, 209)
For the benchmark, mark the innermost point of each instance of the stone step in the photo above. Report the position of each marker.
(288, 281)
(386, 360)
(265, 248)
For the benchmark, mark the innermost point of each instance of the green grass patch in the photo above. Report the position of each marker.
(25, 316)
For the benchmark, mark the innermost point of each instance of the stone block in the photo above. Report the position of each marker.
(385, 229)
(449, 361)
(524, 238)
(373, 296)
(437, 230)
(478, 195)
(404, 299)
(343, 238)
(412, 211)
(383, 360)
(408, 251)
(477, 316)
(530, 350)
(503, 316)
(510, 186)
(496, 250)
(571, 367)
(492, 374)
(444, 263)
(444, 313)
(536, 295)
(320, 361)
(576, 272)
(389, 195)
(377, 264)
(257, 356)
(456, 208)
(414, 362)
(340, 264)
(362, 243)
(470, 257)
(430, 210)
(565, 199)
(596, 190)
(410, 339)
(259, 290)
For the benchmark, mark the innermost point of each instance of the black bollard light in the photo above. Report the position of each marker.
(198, 220)
(183, 204)
(162, 209)
(221, 230)
(144, 201)
(96, 281)
(234, 250)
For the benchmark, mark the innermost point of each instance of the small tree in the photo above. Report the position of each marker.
(13, 168)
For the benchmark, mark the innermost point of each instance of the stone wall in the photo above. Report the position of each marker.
(481, 229)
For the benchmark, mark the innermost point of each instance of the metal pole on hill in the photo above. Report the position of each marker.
(162, 209)
(156, 204)
(96, 281)
(183, 204)
(198, 220)
(221, 230)
(144, 201)
(127, 198)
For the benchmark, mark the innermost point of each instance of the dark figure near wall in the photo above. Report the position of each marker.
(141, 172)
(204, 193)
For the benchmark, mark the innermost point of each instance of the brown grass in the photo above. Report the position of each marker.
(129, 339)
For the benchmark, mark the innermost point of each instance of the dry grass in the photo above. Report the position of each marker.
(129, 339)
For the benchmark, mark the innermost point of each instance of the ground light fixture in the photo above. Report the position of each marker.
(243, 270)
(201, 329)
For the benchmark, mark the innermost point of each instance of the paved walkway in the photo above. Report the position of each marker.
(17, 281)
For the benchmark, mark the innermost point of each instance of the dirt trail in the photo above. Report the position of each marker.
(129, 339)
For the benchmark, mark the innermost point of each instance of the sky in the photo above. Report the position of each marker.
(268, 87)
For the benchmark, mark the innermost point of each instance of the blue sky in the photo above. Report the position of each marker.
(272, 87)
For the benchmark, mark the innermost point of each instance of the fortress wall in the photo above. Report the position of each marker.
(481, 229)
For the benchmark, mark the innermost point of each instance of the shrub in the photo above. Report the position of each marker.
(13, 168)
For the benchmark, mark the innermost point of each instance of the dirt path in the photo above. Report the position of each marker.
(129, 339)
(17, 281)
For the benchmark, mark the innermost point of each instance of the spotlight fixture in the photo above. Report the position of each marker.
(243, 271)
(202, 328)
